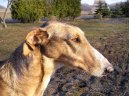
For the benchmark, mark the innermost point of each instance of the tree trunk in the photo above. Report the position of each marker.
(3, 22)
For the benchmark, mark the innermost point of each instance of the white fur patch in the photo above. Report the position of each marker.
(49, 69)
(105, 64)
(103, 61)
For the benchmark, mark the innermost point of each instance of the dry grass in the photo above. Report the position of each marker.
(12, 36)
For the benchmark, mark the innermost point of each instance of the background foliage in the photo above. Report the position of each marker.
(103, 9)
(32, 10)
(120, 10)
(28, 10)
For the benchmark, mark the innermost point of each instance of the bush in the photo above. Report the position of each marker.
(68, 9)
(28, 10)
(32, 10)
(117, 12)
(125, 8)
(103, 9)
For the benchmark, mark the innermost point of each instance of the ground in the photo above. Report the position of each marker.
(109, 36)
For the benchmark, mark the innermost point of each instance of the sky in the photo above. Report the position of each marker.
(90, 2)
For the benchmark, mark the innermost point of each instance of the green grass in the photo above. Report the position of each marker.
(96, 28)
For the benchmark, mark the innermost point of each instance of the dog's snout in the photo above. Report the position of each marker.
(110, 68)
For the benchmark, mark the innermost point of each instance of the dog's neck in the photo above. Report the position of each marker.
(35, 79)
(50, 68)
(29, 82)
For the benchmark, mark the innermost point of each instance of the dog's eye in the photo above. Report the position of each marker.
(77, 40)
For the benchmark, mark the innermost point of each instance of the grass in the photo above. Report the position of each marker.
(109, 36)
(95, 28)
(12, 36)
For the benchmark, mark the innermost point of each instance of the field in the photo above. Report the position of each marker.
(109, 36)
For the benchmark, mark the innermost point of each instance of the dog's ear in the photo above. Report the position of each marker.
(37, 37)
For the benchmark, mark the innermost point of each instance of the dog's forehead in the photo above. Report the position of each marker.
(64, 30)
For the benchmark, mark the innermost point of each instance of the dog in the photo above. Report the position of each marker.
(28, 70)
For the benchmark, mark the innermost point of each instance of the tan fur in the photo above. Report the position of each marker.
(46, 49)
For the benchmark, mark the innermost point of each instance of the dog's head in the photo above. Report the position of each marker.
(67, 45)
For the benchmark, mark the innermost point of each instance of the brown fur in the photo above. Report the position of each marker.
(28, 70)
(22, 73)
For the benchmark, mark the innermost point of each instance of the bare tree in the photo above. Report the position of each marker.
(5, 13)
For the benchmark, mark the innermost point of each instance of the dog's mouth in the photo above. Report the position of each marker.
(107, 71)
(99, 69)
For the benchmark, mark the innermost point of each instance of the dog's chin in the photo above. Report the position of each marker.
(98, 74)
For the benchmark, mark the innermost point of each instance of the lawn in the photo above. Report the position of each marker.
(109, 36)
(12, 36)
